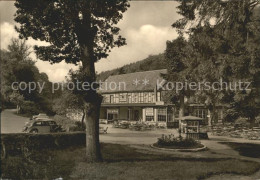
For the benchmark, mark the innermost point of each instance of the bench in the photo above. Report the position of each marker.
(103, 130)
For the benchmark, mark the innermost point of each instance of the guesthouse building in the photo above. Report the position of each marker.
(135, 97)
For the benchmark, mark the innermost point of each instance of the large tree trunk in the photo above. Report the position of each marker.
(86, 34)
(93, 153)
(182, 107)
(92, 107)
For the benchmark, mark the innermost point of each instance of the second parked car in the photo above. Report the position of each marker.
(42, 126)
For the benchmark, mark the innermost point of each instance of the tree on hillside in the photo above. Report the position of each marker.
(18, 67)
(17, 99)
(152, 62)
(78, 31)
(226, 34)
(179, 66)
(69, 100)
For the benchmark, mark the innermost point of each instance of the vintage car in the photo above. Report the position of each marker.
(42, 125)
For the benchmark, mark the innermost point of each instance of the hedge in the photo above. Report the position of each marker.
(21, 143)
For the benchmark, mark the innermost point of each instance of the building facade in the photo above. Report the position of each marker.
(136, 98)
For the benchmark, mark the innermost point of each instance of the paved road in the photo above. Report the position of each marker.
(10, 122)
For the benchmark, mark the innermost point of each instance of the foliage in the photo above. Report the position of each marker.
(67, 100)
(16, 98)
(65, 122)
(78, 32)
(18, 67)
(257, 120)
(230, 115)
(153, 62)
(19, 143)
(78, 126)
(225, 35)
(67, 164)
(177, 142)
(30, 108)
(67, 25)
(242, 122)
(180, 62)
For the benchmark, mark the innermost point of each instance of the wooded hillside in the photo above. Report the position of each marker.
(153, 62)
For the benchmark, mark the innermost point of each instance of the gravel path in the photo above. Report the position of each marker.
(10, 122)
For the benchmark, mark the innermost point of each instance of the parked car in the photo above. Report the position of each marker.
(42, 125)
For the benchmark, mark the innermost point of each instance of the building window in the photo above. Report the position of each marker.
(135, 97)
(149, 118)
(122, 97)
(152, 97)
(116, 98)
(129, 98)
(158, 96)
(162, 114)
(149, 115)
(141, 97)
(111, 99)
(145, 97)
(200, 113)
(149, 97)
(106, 99)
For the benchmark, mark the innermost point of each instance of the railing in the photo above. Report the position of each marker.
(192, 135)
(200, 135)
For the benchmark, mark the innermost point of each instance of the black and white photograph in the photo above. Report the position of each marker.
(130, 90)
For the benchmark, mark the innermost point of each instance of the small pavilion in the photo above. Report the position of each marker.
(190, 126)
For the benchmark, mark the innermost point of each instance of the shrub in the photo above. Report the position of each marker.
(230, 115)
(14, 144)
(78, 126)
(65, 122)
(68, 124)
(178, 142)
(29, 108)
(257, 119)
(241, 121)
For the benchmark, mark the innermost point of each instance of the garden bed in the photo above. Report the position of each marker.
(182, 149)
(237, 132)
(171, 142)
(179, 147)
(137, 126)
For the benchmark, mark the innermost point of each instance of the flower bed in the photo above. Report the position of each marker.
(237, 132)
(136, 125)
(172, 142)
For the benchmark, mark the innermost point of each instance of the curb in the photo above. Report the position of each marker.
(181, 150)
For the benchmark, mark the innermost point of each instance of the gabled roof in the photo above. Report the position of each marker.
(126, 82)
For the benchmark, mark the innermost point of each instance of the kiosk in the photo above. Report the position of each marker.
(190, 126)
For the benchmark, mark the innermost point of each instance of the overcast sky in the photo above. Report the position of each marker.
(146, 26)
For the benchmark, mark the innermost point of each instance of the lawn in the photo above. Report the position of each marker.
(120, 162)
(245, 149)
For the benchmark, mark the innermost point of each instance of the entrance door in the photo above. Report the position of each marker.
(136, 115)
(112, 117)
(129, 114)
